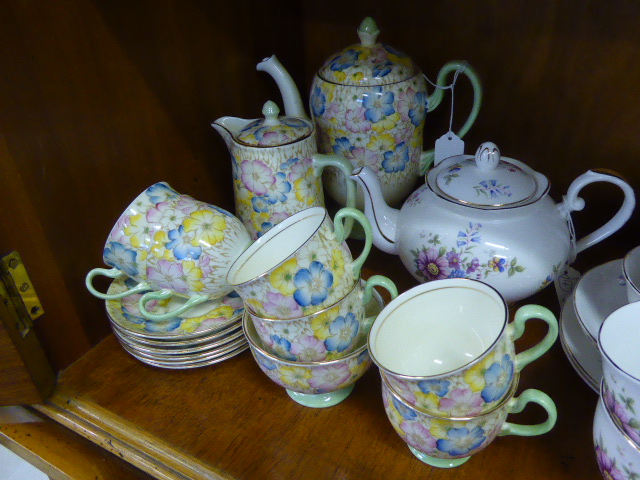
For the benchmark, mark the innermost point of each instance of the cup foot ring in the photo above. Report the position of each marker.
(321, 400)
(438, 462)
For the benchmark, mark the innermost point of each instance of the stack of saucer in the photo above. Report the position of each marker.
(210, 334)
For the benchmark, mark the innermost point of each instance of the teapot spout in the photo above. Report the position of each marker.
(383, 218)
(293, 106)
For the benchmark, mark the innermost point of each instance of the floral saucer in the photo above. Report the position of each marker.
(209, 317)
(598, 293)
(583, 355)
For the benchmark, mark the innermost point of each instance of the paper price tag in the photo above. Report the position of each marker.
(448, 145)
(565, 283)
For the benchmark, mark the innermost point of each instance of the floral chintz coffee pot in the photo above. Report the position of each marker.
(274, 172)
(369, 103)
(488, 218)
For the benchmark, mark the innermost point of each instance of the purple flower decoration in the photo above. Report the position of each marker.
(432, 266)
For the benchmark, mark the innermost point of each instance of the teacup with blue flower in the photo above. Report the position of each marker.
(447, 346)
(301, 265)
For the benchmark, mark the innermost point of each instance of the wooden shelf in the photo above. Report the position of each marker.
(229, 421)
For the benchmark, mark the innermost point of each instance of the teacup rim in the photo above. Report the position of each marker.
(607, 354)
(267, 237)
(475, 360)
(624, 269)
(511, 393)
(613, 419)
(254, 345)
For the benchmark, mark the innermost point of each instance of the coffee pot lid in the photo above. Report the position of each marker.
(274, 131)
(368, 63)
(486, 180)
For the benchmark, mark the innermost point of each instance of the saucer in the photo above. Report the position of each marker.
(598, 293)
(583, 355)
(209, 317)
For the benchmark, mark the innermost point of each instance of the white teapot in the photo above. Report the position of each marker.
(488, 218)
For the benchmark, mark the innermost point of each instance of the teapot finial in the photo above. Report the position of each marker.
(487, 156)
(368, 32)
(270, 111)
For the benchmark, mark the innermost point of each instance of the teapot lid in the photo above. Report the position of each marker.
(368, 63)
(486, 180)
(274, 131)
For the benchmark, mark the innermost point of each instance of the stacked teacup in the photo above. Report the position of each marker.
(307, 311)
(170, 254)
(616, 427)
(446, 354)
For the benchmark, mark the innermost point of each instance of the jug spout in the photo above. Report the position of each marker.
(383, 218)
(293, 106)
(229, 127)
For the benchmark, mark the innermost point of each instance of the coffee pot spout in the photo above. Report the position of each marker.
(291, 98)
(383, 218)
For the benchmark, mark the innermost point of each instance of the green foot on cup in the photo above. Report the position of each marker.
(321, 400)
(438, 462)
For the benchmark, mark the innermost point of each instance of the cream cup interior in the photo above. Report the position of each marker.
(437, 328)
(275, 246)
(619, 336)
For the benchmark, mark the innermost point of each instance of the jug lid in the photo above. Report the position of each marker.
(486, 180)
(274, 131)
(368, 63)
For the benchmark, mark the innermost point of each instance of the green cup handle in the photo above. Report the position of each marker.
(517, 404)
(378, 281)
(320, 161)
(111, 273)
(517, 329)
(341, 233)
(163, 295)
(426, 159)
(372, 282)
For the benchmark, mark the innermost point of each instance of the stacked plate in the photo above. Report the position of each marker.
(210, 334)
(598, 293)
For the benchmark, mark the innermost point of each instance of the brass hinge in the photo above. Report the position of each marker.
(17, 288)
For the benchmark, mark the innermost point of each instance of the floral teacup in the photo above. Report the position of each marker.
(450, 442)
(447, 347)
(326, 335)
(618, 456)
(187, 246)
(313, 384)
(130, 240)
(301, 266)
(618, 344)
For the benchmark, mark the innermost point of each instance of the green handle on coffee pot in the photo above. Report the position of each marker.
(426, 159)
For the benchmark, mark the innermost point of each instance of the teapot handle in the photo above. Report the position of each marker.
(427, 157)
(572, 202)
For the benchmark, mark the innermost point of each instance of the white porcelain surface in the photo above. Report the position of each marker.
(617, 456)
(582, 354)
(631, 272)
(517, 248)
(439, 329)
(599, 292)
(618, 343)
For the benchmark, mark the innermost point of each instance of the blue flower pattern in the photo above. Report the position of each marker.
(498, 379)
(439, 387)
(378, 104)
(343, 330)
(461, 441)
(182, 249)
(117, 255)
(312, 284)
